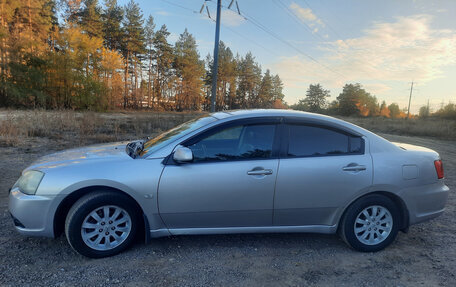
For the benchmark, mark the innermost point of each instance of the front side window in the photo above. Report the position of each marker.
(165, 138)
(317, 141)
(235, 143)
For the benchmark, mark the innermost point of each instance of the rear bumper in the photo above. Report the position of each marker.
(30, 213)
(425, 202)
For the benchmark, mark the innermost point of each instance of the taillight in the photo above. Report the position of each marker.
(439, 168)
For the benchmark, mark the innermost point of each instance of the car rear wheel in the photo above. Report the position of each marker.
(370, 224)
(101, 224)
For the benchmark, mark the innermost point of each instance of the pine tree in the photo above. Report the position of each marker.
(90, 19)
(149, 31)
(277, 90)
(133, 46)
(265, 95)
(226, 78)
(190, 71)
(315, 99)
(163, 58)
(249, 81)
(112, 17)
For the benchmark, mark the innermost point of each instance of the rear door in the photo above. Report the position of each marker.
(230, 182)
(321, 169)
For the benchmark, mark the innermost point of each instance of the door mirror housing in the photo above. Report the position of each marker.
(183, 154)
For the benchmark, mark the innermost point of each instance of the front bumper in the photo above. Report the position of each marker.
(32, 214)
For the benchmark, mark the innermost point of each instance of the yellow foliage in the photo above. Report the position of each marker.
(111, 60)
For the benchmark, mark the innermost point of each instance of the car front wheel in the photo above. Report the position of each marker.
(101, 224)
(371, 223)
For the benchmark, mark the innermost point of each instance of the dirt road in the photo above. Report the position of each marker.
(426, 256)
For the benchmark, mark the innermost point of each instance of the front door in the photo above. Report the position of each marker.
(230, 182)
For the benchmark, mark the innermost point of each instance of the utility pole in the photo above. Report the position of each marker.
(410, 99)
(216, 51)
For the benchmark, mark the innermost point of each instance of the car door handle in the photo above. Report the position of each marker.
(260, 172)
(352, 167)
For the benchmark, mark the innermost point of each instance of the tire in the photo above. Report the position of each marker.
(370, 233)
(101, 235)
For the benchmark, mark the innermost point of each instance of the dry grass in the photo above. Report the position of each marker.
(432, 127)
(80, 128)
(70, 128)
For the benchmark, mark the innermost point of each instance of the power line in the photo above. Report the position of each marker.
(226, 27)
(180, 6)
(268, 31)
(295, 17)
(325, 22)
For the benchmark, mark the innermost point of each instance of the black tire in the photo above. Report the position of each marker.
(347, 223)
(88, 203)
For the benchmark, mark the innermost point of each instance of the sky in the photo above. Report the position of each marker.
(383, 45)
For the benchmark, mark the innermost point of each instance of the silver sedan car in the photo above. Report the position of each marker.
(232, 172)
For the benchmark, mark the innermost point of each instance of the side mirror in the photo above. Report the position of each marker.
(183, 154)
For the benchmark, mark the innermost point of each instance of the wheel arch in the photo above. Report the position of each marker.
(65, 205)
(397, 200)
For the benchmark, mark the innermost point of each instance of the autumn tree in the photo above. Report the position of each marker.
(80, 54)
(354, 100)
(384, 111)
(395, 111)
(25, 51)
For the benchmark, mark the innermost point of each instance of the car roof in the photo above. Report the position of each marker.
(252, 113)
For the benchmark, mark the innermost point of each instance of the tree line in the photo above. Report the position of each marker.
(109, 56)
(354, 100)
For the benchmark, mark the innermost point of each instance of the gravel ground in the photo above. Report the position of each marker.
(423, 257)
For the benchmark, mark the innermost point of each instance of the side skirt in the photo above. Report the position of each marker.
(326, 229)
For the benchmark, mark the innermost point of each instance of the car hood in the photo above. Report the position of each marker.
(104, 152)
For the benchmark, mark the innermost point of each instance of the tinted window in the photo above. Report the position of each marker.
(317, 141)
(356, 144)
(235, 143)
(165, 138)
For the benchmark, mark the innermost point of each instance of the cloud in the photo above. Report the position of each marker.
(231, 18)
(394, 52)
(400, 51)
(163, 13)
(306, 15)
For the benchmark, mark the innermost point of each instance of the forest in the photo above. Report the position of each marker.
(354, 100)
(87, 55)
(100, 56)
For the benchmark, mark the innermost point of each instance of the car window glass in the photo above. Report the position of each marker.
(356, 144)
(235, 143)
(316, 141)
(165, 138)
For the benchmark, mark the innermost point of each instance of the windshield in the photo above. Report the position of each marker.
(171, 135)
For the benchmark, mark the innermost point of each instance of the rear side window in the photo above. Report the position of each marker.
(305, 141)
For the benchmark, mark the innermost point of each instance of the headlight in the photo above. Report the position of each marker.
(28, 183)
